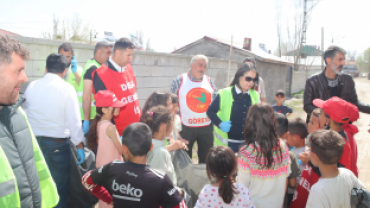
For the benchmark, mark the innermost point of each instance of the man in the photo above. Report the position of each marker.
(25, 179)
(195, 91)
(52, 109)
(260, 87)
(331, 82)
(86, 100)
(73, 73)
(118, 76)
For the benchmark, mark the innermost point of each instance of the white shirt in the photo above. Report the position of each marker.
(334, 192)
(52, 109)
(238, 91)
(118, 68)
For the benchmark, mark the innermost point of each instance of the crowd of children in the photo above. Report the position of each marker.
(282, 163)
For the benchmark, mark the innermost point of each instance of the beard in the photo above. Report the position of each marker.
(336, 69)
(9, 99)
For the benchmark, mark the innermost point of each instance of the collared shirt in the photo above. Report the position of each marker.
(238, 91)
(118, 68)
(177, 81)
(52, 109)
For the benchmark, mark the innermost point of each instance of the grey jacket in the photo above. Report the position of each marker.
(15, 140)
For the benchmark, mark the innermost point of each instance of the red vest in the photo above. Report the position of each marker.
(123, 84)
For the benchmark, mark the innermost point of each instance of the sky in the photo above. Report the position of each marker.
(171, 24)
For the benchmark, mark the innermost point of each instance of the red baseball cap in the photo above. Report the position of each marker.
(106, 98)
(338, 109)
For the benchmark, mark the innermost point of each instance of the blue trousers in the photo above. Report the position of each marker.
(58, 158)
(234, 146)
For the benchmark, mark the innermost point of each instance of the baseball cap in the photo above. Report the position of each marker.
(106, 98)
(338, 109)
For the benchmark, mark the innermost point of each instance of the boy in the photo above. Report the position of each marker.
(134, 183)
(297, 133)
(279, 107)
(339, 113)
(335, 184)
(314, 123)
(176, 120)
(282, 131)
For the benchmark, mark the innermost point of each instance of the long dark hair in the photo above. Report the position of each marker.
(155, 99)
(221, 164)
(260, 127)
(156, 116)
(92, 135)
(241, 71)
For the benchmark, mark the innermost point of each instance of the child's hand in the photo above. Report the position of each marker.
(183, 140)
(305, 157)
(179, 145)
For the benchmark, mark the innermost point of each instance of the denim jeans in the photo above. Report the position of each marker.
(58, 159)
(234, 146)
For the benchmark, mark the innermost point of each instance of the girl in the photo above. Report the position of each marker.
(224, 192)
(103, 137)
(264, 164)
(230, 107)
(160, 121)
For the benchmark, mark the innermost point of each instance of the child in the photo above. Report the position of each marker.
(159, 119)
(176, 118)
(314, 123)
(133, 183)
(221, 167)
(282, 131)
(335, 184)
(103, 137)
(279, 107)
(264, 164)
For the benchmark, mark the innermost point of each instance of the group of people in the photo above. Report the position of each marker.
(254, 156)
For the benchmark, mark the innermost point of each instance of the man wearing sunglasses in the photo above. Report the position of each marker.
(195, 91)
(332, 82)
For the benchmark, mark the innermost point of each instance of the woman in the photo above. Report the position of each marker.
(230, 107)
(263, 163)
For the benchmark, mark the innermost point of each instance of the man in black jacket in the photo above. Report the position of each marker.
(331, 82)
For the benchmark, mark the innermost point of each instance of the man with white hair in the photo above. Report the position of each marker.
(195, 91)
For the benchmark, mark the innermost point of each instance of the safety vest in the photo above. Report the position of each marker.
(80, 90)
(195, 98)
(224, 113)
(123, 85)
(72, 78)
(9, 195)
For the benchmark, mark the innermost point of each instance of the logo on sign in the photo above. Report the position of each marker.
(198, 99)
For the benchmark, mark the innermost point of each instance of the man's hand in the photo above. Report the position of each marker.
(73, 65)
(85, 126)
(80, 153)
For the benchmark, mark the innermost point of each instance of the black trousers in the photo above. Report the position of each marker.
(204, 138)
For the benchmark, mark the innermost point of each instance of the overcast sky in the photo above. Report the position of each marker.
(172, 24)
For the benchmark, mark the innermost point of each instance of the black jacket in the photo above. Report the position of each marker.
(317, 87)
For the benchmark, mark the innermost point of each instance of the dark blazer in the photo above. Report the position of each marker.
(317, 87)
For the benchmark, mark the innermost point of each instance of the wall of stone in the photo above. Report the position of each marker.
(154, 71)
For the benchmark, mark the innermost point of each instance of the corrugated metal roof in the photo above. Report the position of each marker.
(257, 53)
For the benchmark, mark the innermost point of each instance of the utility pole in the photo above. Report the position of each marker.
(322, 47)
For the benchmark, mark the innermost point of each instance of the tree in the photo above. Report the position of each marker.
(72, 30)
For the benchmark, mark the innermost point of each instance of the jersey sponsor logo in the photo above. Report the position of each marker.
(198, 99)
(132, 193)
(198, 120)
(171, 192)
(131, 174)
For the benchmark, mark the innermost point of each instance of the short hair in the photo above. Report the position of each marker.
(298, 126)
(280, 93)
(281, 124)
(8, 46)
(195, 58)
(316, 112)
(56, 63)
(122, 44)
(327, 145)
(100, 45)
(174, 98)
(332, 51)
(138, 139)
(250, 60)
(66, 47)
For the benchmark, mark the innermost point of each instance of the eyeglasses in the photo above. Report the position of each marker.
(249, 79)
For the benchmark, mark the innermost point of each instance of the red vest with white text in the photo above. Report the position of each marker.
(123, 85)
(195, 97)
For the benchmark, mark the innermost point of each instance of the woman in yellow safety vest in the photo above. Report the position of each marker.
(230, 107)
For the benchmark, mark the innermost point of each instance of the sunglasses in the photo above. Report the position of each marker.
(249, 79)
